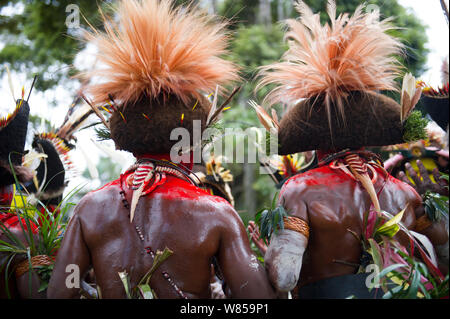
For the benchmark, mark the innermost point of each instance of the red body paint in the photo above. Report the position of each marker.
(11, 221)
(173, 189)
(333, 178)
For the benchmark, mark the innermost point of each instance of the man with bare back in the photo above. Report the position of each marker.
(160, 62)
(319, 253)
(333, 204)
(194, 225)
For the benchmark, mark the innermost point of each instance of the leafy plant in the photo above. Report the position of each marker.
(103, 134)
(436, 206)
(415, 127)
(44, 273)
(143, 289)
(42, 231)
(270, 220)
(402, 276)
(414, 282)
(445, 178)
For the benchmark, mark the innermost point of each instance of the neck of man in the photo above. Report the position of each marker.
(166, 157)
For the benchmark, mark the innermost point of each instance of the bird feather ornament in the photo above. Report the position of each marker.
(270, 123)
(6, 119)
(440, 92)
(10, 83)
(411, 93)
(215, 111)
(74, 121)
(224, 105)
(213, 106)
(97, 112)
(354, 53)
(154, 47)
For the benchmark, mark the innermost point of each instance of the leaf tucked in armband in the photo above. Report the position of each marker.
(271, 220)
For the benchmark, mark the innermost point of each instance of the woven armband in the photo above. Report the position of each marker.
(296, 224)
(36, 261)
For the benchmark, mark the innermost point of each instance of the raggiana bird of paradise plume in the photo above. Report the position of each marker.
(154, 51)
(354, 53)
(157, 48)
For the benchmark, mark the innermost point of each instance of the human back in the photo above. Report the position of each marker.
(195, 226)
(334, 204)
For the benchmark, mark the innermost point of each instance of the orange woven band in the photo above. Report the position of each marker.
(296, 224)
(423, 223)
(36, 261)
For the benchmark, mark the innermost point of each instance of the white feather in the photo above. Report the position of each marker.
(11, 86)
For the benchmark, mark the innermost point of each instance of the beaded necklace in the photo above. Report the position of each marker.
(159, 168)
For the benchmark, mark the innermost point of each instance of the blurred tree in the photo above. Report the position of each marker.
(240, 11)
(37, 37)
(265, 12)
(215, 5)
(108, 170)
(411, 30)
(252, 47)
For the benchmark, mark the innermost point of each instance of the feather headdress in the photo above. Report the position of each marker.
(354, 53)
(55, 167)
(7, 118)
(156, 48)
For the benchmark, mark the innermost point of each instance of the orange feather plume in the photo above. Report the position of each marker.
(156, 48)
(354, 53)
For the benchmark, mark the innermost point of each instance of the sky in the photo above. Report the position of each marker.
(88, 151)
(430, 12)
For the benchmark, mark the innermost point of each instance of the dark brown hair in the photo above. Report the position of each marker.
(147, 124)
(371, 119)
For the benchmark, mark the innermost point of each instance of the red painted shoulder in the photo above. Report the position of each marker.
(109, 185)
(175, 188)
(319, 176)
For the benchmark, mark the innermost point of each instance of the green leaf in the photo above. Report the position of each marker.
(414, 128)
(444, 177)
(413, 288)
(389, 269)
(43, 286)
(160, 257)
(392, 292)
(436, 206)
(375, 252)
(391, 227)
(274, 200)
(145, 291)
(125, 281)
(389, 231)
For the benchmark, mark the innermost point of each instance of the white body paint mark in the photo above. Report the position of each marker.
(284, 259)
